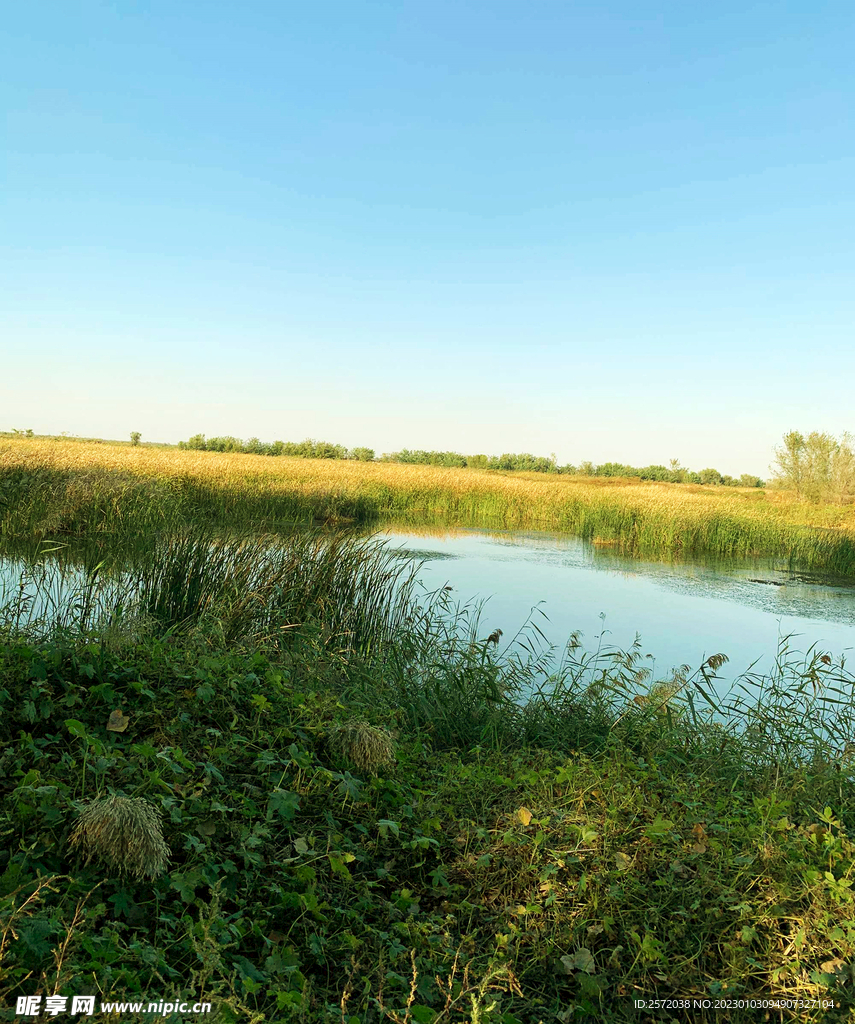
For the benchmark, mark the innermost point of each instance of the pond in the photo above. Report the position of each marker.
(683, 611)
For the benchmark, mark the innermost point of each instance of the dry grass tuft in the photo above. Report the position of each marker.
(368, 747)
(123, 833)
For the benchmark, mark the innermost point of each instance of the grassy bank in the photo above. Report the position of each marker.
(56, 487)
(366, 822)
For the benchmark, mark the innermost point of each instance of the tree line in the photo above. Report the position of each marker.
(308, 449)
(523, 461)
(675, 473)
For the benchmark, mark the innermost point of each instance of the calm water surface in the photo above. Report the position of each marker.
(683, 612)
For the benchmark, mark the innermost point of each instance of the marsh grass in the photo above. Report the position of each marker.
(50, 488)
(464, 691)
(249, 589)
(260, 588)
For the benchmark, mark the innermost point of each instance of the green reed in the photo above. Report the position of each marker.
(253, 589)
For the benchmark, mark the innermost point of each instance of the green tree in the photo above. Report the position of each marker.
(817, 467)
(749, 480)
(135, 437)
(841, 476)
(789, 465)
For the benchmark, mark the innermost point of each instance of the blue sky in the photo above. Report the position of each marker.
(613, 231)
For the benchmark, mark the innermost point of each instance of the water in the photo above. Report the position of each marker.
(683, 612)
(48, 591)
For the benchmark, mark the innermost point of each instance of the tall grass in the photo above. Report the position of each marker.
(257, 590)
(260, 587)
(50, 488)
(462, 689)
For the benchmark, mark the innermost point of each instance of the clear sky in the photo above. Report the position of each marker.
(613, 230)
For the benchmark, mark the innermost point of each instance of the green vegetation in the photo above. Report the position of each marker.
(524, 462)
(373, 814)
(308, 449)
(818, 467)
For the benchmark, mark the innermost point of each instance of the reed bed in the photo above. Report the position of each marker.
(355, 593)
(55, 487)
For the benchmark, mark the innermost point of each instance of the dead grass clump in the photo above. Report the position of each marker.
(366, 746)
(123, 833)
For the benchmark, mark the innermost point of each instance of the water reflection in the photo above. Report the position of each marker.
(684, 611)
